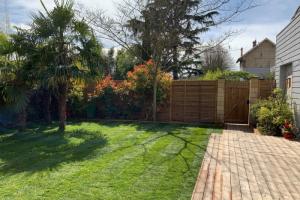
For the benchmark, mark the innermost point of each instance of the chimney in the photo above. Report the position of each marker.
(242, 52)
(254, 43)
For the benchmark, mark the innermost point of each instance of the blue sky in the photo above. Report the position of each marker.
(266, 20)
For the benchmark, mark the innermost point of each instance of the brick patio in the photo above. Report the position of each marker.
(242, 165)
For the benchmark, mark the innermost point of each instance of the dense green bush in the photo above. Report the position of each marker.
(270, 114)
(76, 105)
(227, 75)
(255, 109)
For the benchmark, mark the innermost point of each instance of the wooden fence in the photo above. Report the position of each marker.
(265, 88)
(197, 101)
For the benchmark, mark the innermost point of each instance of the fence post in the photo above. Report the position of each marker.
(221, 101)
(171, 102)
(253, 93)
(184, 101)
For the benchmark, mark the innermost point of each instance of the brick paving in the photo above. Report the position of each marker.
(241, 165)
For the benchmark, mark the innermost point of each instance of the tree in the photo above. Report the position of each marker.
(215, 58)
(125, 62)
(68, 51)
(109, 62)
(16, 72)
(163, 29)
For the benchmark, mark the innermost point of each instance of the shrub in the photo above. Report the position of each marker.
(76, 102)
(227, 75)
(131, 98)
(271, 114)
(140, 81)
(255, 109)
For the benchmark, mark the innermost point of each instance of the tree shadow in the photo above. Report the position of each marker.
(43, 148)
(154, 126)
(180, 132)
(35, 150)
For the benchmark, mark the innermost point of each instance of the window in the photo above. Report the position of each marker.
(288, 83)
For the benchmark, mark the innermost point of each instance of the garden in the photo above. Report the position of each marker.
(79, 121)
(107, 160)
(274, 116)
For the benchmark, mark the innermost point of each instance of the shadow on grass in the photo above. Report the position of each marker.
(179, 132)
(43, 148)
(35, 150)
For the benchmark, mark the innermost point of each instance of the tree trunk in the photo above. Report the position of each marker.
(62, 106)
(175, 74)
(154, 104)
(175, 64)
(22, 118)
(46, 104)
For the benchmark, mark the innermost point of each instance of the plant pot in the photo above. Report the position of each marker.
(288, 135)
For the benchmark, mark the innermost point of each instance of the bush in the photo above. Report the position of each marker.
(255, 109)
(131, 98)
(271, 114)
(227, 75)
(76, 105)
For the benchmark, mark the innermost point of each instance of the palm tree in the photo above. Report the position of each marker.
(15, 70)
(68, 51)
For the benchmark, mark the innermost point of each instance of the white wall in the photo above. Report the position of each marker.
(288, 54)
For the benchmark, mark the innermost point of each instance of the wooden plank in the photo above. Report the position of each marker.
(191, 100)
(236, 97)
(171, 102)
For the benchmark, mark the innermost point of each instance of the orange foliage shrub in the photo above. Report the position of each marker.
(135, 93)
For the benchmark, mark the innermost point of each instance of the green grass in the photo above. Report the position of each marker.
(102, 161)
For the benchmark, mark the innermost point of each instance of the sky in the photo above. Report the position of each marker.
(265, 20)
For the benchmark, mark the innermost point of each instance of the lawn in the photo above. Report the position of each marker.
(108, 160)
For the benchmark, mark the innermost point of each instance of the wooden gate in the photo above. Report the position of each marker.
(236, 101)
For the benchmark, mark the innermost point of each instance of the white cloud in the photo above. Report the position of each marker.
(265, 21)
(35, 5)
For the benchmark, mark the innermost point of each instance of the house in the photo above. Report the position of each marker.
(260, 59)
(287, 69)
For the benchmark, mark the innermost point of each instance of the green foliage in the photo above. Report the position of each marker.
(15, 71)
(67, 50)
(271, 114)
(255, 109)
(76, 103)
(125, 61)
(227, 75)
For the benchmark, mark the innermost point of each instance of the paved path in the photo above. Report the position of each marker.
(241, 165)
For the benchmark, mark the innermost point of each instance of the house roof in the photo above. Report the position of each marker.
(256, 47)
(296, 13)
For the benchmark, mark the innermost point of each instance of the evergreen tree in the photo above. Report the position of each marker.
(180, 22)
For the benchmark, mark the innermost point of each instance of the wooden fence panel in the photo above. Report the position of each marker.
(194, 101)
(265, 88)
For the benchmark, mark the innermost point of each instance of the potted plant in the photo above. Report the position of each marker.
(288, 130)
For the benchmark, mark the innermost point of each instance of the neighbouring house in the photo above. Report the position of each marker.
(260, 59)
(287, 70)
